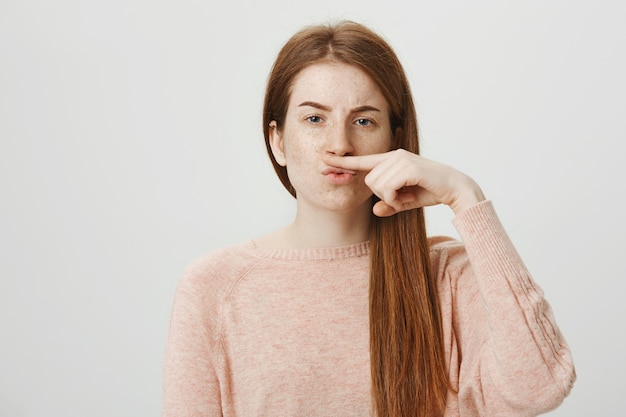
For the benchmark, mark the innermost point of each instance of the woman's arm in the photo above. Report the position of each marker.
(515, 361)
(190, 384)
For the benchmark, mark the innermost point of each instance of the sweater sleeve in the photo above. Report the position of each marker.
(514, 360)
(190, 384)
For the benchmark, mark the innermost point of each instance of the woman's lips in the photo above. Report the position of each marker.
(335, 170)
(339, 176)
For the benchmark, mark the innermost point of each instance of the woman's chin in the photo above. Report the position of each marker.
(341, 202)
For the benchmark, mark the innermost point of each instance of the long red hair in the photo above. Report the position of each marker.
(409, 374)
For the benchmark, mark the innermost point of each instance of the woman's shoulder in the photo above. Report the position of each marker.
(448, 256)
(440, 245)
(217, 270)
(241, 252)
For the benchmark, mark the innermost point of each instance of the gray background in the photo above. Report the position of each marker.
(130, 144)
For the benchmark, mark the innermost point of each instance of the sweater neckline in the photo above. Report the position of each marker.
(309, 254)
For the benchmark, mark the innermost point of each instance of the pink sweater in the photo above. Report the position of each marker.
(285, 332)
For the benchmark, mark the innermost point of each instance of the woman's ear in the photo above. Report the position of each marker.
(276, 143)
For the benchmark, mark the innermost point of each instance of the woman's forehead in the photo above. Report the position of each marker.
(335, 84)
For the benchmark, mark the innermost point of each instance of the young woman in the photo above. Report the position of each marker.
(350, 310)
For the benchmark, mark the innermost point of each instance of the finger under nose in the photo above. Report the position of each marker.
(356, 163)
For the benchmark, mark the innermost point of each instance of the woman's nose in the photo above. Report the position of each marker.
(339, 141)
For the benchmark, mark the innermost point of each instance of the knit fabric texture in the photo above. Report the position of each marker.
(285, 332)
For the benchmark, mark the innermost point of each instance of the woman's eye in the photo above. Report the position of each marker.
(314, 119)
(363, 122)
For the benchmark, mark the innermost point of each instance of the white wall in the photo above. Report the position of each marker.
(130, 144)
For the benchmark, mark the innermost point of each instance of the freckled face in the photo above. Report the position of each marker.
(334, 108)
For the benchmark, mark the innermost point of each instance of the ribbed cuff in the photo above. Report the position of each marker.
(487, 243)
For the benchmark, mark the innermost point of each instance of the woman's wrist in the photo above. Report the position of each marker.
(470, 195)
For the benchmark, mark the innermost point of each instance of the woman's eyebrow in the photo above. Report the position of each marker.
(359, 109)
(314, 104)
(365, 108)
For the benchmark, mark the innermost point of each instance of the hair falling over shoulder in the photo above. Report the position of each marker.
(409, 374)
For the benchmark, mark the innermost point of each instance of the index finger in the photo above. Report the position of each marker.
(356, 163)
